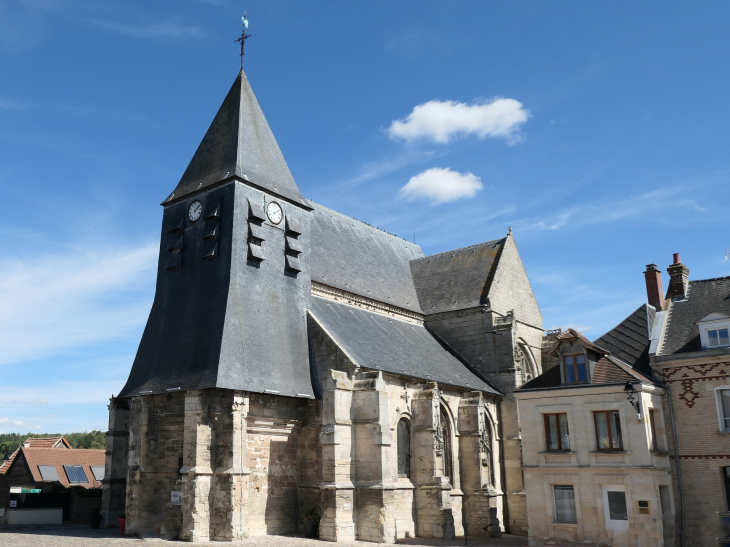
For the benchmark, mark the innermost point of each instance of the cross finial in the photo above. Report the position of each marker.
(243, 36)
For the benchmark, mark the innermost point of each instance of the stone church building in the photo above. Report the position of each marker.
(295, 358)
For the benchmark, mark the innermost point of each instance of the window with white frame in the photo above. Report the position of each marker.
(714, 331)
(722, 399)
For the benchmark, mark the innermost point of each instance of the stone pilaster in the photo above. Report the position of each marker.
(116, 463)
(138, 418)
(229, 412)
(375, 473)
(196, 470)
(433, 492)
(336, 440)
(478, 477)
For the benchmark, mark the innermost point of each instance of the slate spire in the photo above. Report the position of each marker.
(239, 144)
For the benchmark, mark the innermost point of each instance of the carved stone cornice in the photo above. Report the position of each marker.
(338, 295)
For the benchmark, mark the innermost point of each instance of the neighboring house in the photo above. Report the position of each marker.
(692, 358)
(596, 469)
(36, 442)
(34, 468)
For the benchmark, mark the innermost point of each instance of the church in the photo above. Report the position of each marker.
(297, 360)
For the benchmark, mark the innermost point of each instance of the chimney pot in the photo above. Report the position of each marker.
(677, 258)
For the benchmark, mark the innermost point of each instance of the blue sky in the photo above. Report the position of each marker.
(597, 131)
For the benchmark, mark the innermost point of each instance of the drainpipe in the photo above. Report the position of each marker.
(679, 464)
(503, 472)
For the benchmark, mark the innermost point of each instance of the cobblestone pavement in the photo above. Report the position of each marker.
(84, 537)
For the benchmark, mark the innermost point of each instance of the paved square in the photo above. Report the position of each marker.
(78, 537)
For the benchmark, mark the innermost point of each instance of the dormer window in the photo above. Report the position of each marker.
(574, 369)
(718, 337)
(714, 331)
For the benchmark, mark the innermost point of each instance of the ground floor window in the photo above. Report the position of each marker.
(564, 503)
(617, 506)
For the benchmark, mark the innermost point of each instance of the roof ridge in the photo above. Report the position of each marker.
(362, 222)
(710, 279)
(460, 249)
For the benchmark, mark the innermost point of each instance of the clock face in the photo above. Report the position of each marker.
(274, 212)
(195, 210)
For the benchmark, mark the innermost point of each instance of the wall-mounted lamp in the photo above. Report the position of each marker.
(631, 396)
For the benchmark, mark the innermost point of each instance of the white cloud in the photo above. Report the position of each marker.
(441, 185)
(86, 294)
(17, 423)
(444, 121)
(638, 206)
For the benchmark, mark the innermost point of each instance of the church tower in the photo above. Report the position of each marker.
(228, 320)
(236, 219)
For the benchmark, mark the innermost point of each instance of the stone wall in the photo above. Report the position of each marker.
(508, 353)
(114, 484)
(252, 464)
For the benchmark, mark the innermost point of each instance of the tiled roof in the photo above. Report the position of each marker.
(59, 457)
(608, 372)
(458, 279)
(571, 334)
(629, 340)
(704, 297)
(609, 369)
(36, 442)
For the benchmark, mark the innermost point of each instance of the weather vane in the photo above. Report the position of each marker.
(243, 36)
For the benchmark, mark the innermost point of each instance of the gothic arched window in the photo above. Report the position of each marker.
(404, 448)
(447, 457)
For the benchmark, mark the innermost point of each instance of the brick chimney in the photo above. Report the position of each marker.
(678, 279)
(654, 290)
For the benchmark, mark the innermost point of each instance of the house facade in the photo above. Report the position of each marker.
(692, 359)
(295, 358)
(597, 469)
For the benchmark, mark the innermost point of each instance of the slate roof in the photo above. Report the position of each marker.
(385, 343)
(457, 279)
(239, 143)
(704, 297)
(629, 340)
(353, 256)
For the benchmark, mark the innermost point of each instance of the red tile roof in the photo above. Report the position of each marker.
(36, 442)
(60, 457)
